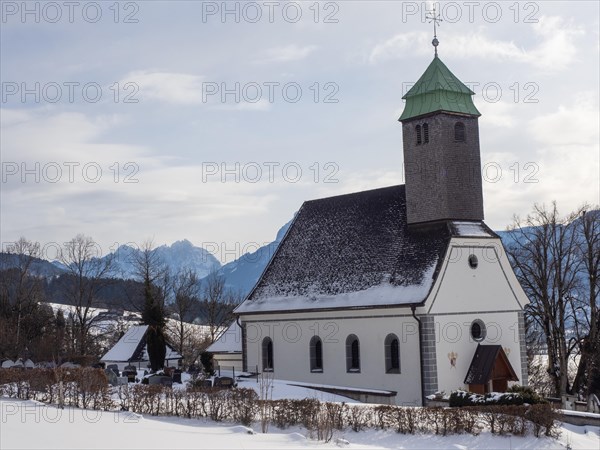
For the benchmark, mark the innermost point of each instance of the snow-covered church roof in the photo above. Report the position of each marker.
(355, 251)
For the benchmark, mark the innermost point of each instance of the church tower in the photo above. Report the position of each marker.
(441, 149)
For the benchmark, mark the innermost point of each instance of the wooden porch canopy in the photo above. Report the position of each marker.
(490, 364)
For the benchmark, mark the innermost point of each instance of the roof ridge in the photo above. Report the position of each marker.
(367, 191)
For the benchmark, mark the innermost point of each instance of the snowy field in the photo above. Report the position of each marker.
(32, 425)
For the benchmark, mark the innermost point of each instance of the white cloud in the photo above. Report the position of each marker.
(396, 46)
(500, 114)
(160, 194)
(65, 136)
(261, 105)
(555, 49)
(568, 152)
(169, 87)
(287, 53)
(576, 124)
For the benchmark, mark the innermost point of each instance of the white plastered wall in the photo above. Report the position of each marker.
(291, 337)
(490, 292)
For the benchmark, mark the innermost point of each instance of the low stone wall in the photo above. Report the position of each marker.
(579, 418)
(355, 394)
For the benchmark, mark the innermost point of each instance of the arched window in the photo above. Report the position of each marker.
(392, 354)
(352, 354)
(267, 354)
(316, 354)
(425, 133)
(459, 132)
(418, 130)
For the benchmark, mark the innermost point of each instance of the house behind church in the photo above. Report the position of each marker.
(132, 349)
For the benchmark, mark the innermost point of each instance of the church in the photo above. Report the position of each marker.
(393, 294)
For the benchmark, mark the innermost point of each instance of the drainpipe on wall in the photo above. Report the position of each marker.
(243, 334)
(413, 308)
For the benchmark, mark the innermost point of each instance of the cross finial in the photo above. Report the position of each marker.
(434, 17)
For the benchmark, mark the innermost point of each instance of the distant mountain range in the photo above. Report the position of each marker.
(39, 267)
(240, 275)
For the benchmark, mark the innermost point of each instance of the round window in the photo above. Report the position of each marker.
(478, 330)
(473, 262)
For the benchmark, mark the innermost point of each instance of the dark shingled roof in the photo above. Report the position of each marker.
(483, 362)
(354, 243)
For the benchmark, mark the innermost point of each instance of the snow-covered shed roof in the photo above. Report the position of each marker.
(229, 341)
(132, 347)
(355, 251)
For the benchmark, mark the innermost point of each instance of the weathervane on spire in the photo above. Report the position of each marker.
(434, 17)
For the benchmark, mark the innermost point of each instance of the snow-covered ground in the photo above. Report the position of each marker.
(32, 425)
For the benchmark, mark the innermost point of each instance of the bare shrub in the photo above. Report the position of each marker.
(322, 425)
(217, 402)
(336, 412)
(407, 419)
(358, 417)
(244, 405)
(282, 413)
(265, 381)
(543, 418)
(194, 403)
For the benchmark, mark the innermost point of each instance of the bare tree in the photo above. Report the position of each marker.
(217, 304)
(21, 291)
(185, 299)
(543, 255)
(586, 303)
(28, 327)
(88, 275)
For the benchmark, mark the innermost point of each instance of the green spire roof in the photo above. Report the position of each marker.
(438, 90)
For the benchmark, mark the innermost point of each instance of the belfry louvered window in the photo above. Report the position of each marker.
(418, 131)
(425, 133)
(459, 132)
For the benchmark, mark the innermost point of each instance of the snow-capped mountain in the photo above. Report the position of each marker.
(176, 257)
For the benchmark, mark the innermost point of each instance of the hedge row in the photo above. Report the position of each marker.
(79, 387)
(88, 388)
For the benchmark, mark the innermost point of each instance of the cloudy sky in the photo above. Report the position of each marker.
(214, 121)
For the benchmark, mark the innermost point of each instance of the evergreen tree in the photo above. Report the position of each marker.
(153, 277)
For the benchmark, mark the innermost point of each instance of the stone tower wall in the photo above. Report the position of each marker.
(443, 177)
